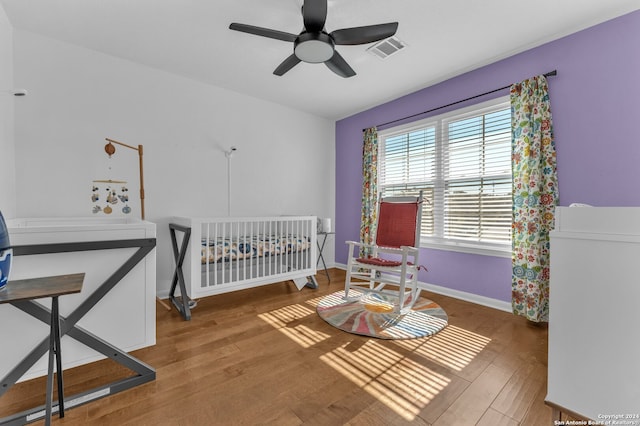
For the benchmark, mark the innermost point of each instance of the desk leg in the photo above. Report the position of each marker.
(54, 351)
(56, 323)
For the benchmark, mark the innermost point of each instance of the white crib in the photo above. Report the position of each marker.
(219, 255)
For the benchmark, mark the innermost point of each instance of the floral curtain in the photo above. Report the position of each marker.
(535, 196)
(369, 188)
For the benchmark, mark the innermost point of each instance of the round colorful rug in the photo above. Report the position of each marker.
(372, 315)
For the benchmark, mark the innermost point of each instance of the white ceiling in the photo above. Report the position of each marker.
(191, 38)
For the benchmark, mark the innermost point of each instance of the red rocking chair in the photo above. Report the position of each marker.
(394, 254)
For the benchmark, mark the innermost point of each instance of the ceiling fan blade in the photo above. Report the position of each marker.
(363, 35)
(338, 65)
(264, 32)
(314, 14)
(286, 65)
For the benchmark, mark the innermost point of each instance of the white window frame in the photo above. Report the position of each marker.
(438, 241)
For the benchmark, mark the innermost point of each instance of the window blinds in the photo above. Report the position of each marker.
(462, 163)
(477, 177)
(408, 166)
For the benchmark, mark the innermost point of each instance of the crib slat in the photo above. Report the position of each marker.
(207, 236)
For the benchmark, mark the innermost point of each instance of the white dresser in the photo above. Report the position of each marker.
(124, 317)
(594, 318)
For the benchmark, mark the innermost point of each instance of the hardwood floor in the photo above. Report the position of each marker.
(263, 356)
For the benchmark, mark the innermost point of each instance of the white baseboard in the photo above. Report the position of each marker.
(162, 291)
(501, 305)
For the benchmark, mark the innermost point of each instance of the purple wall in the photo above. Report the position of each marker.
(595, 102)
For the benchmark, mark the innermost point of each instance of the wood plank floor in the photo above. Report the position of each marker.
(263, 356)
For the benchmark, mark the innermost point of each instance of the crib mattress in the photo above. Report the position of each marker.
(235, 248)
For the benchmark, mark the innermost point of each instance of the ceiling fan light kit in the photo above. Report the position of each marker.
(314, 45)
(314, 48)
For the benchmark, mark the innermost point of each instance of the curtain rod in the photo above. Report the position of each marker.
(549, 74)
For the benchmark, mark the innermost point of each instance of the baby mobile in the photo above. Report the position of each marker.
(107, 195)
(110, 195)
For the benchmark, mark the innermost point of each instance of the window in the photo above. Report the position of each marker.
(462, 162)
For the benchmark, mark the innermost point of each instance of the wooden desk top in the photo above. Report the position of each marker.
(36, 288)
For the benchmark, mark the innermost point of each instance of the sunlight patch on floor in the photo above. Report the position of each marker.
(395, 380)
(315, 301)
(453, 347)
(284, 320)
(282, 316)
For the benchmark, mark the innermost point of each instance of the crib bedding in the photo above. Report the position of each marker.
(222, 249)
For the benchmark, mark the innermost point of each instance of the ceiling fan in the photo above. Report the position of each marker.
(314, 45)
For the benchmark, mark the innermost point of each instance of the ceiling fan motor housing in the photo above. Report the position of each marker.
(314, 47)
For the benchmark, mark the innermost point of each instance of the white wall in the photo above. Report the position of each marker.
(7, 100)
(285, 163)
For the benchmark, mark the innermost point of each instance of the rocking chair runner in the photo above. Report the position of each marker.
(394, 257)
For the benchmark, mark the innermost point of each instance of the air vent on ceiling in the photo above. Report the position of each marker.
(387, 47)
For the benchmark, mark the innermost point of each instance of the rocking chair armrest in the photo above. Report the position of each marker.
(358, 244)
(354, 244)
(410, 251)
(400, 250)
